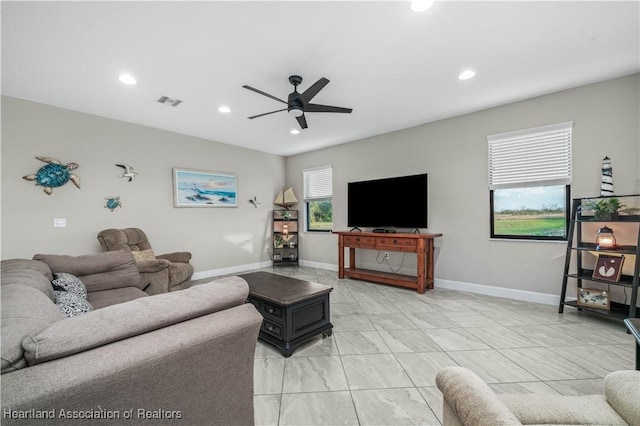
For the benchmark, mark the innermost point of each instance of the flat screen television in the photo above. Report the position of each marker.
(397, 202)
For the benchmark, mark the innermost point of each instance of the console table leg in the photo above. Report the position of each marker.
(340, 257)
(352, 258)
(421, 278)
(429, 271)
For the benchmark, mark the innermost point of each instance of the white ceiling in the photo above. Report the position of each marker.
(394, 67)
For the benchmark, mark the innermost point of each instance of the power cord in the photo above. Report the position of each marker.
(386, 260)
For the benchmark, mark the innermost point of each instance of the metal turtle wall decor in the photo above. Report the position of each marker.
(53, 174)
(112, 203)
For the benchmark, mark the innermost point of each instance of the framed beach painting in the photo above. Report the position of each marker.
(195, 188)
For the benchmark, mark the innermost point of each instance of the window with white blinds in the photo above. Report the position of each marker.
(318, 183)
(318, 193)
(533, 157)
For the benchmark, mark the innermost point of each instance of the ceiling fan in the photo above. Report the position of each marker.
(298, 103)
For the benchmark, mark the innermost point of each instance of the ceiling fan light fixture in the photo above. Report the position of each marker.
(295, 132)
(296, 112)
(421, 5)
(224, 109)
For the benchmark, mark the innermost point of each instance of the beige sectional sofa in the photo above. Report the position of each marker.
(468, 401)
(184, 357)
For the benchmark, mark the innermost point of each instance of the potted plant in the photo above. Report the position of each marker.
(603, 209)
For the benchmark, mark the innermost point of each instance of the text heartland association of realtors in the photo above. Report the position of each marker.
(99, 413)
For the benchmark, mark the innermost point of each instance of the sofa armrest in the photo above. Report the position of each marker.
(469, 401)
(125, 320)
(194, 372)
(179, 256)
(622, 389)
(154, 265)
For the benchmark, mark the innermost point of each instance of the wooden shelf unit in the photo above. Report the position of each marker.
(420, 244)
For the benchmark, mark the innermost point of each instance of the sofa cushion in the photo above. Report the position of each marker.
(28, 272)
(117, 322)
(25, 311)
(622, 389)
(143, 254)
(101, 271)
(70, 283)
(28, 264)
(100, 299)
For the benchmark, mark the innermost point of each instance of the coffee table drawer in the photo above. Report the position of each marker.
(273, 329)
(272, 310)
(267, 309)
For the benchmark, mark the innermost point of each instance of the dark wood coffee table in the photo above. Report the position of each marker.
(294, 311)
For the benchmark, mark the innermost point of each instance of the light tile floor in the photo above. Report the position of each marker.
(388, 343)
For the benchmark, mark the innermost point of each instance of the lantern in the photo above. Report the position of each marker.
(605, 240)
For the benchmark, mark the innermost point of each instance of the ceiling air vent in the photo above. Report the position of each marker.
(171, 102)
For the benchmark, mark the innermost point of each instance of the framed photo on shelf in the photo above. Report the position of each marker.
(593, 298)
(608, 267)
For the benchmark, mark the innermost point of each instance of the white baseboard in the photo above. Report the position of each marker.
(509, 293)
(318, 265)
(230, 270)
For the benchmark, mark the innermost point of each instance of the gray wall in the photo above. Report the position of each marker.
(454, 154)
(220, 239)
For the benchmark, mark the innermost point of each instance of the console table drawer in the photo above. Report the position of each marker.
(395, 244)
(357, 241)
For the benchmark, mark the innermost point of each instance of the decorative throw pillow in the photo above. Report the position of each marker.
(71, 304)
(143, 255)
(70, 283)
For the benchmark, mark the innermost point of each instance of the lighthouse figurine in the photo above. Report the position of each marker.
(606, 187)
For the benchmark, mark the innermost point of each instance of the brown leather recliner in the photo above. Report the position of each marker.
(162, 273)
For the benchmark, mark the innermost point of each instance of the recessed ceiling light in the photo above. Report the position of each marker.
(295, 132)
(224, 109)
(127, 79)
(421, 5)
(466, 75)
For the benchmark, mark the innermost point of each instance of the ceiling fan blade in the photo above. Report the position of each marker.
(266, 113)
(302, 121)
(325, 108)
(308, 94)
(263, 93)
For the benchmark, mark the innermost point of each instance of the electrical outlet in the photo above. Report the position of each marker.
(386, 255)
(59, 223)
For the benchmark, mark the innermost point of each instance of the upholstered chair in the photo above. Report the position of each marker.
(160, 273)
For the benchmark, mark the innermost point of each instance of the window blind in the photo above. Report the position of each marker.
(318, 183)
(532, 157)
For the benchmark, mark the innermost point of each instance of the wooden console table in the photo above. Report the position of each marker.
(421, 244)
